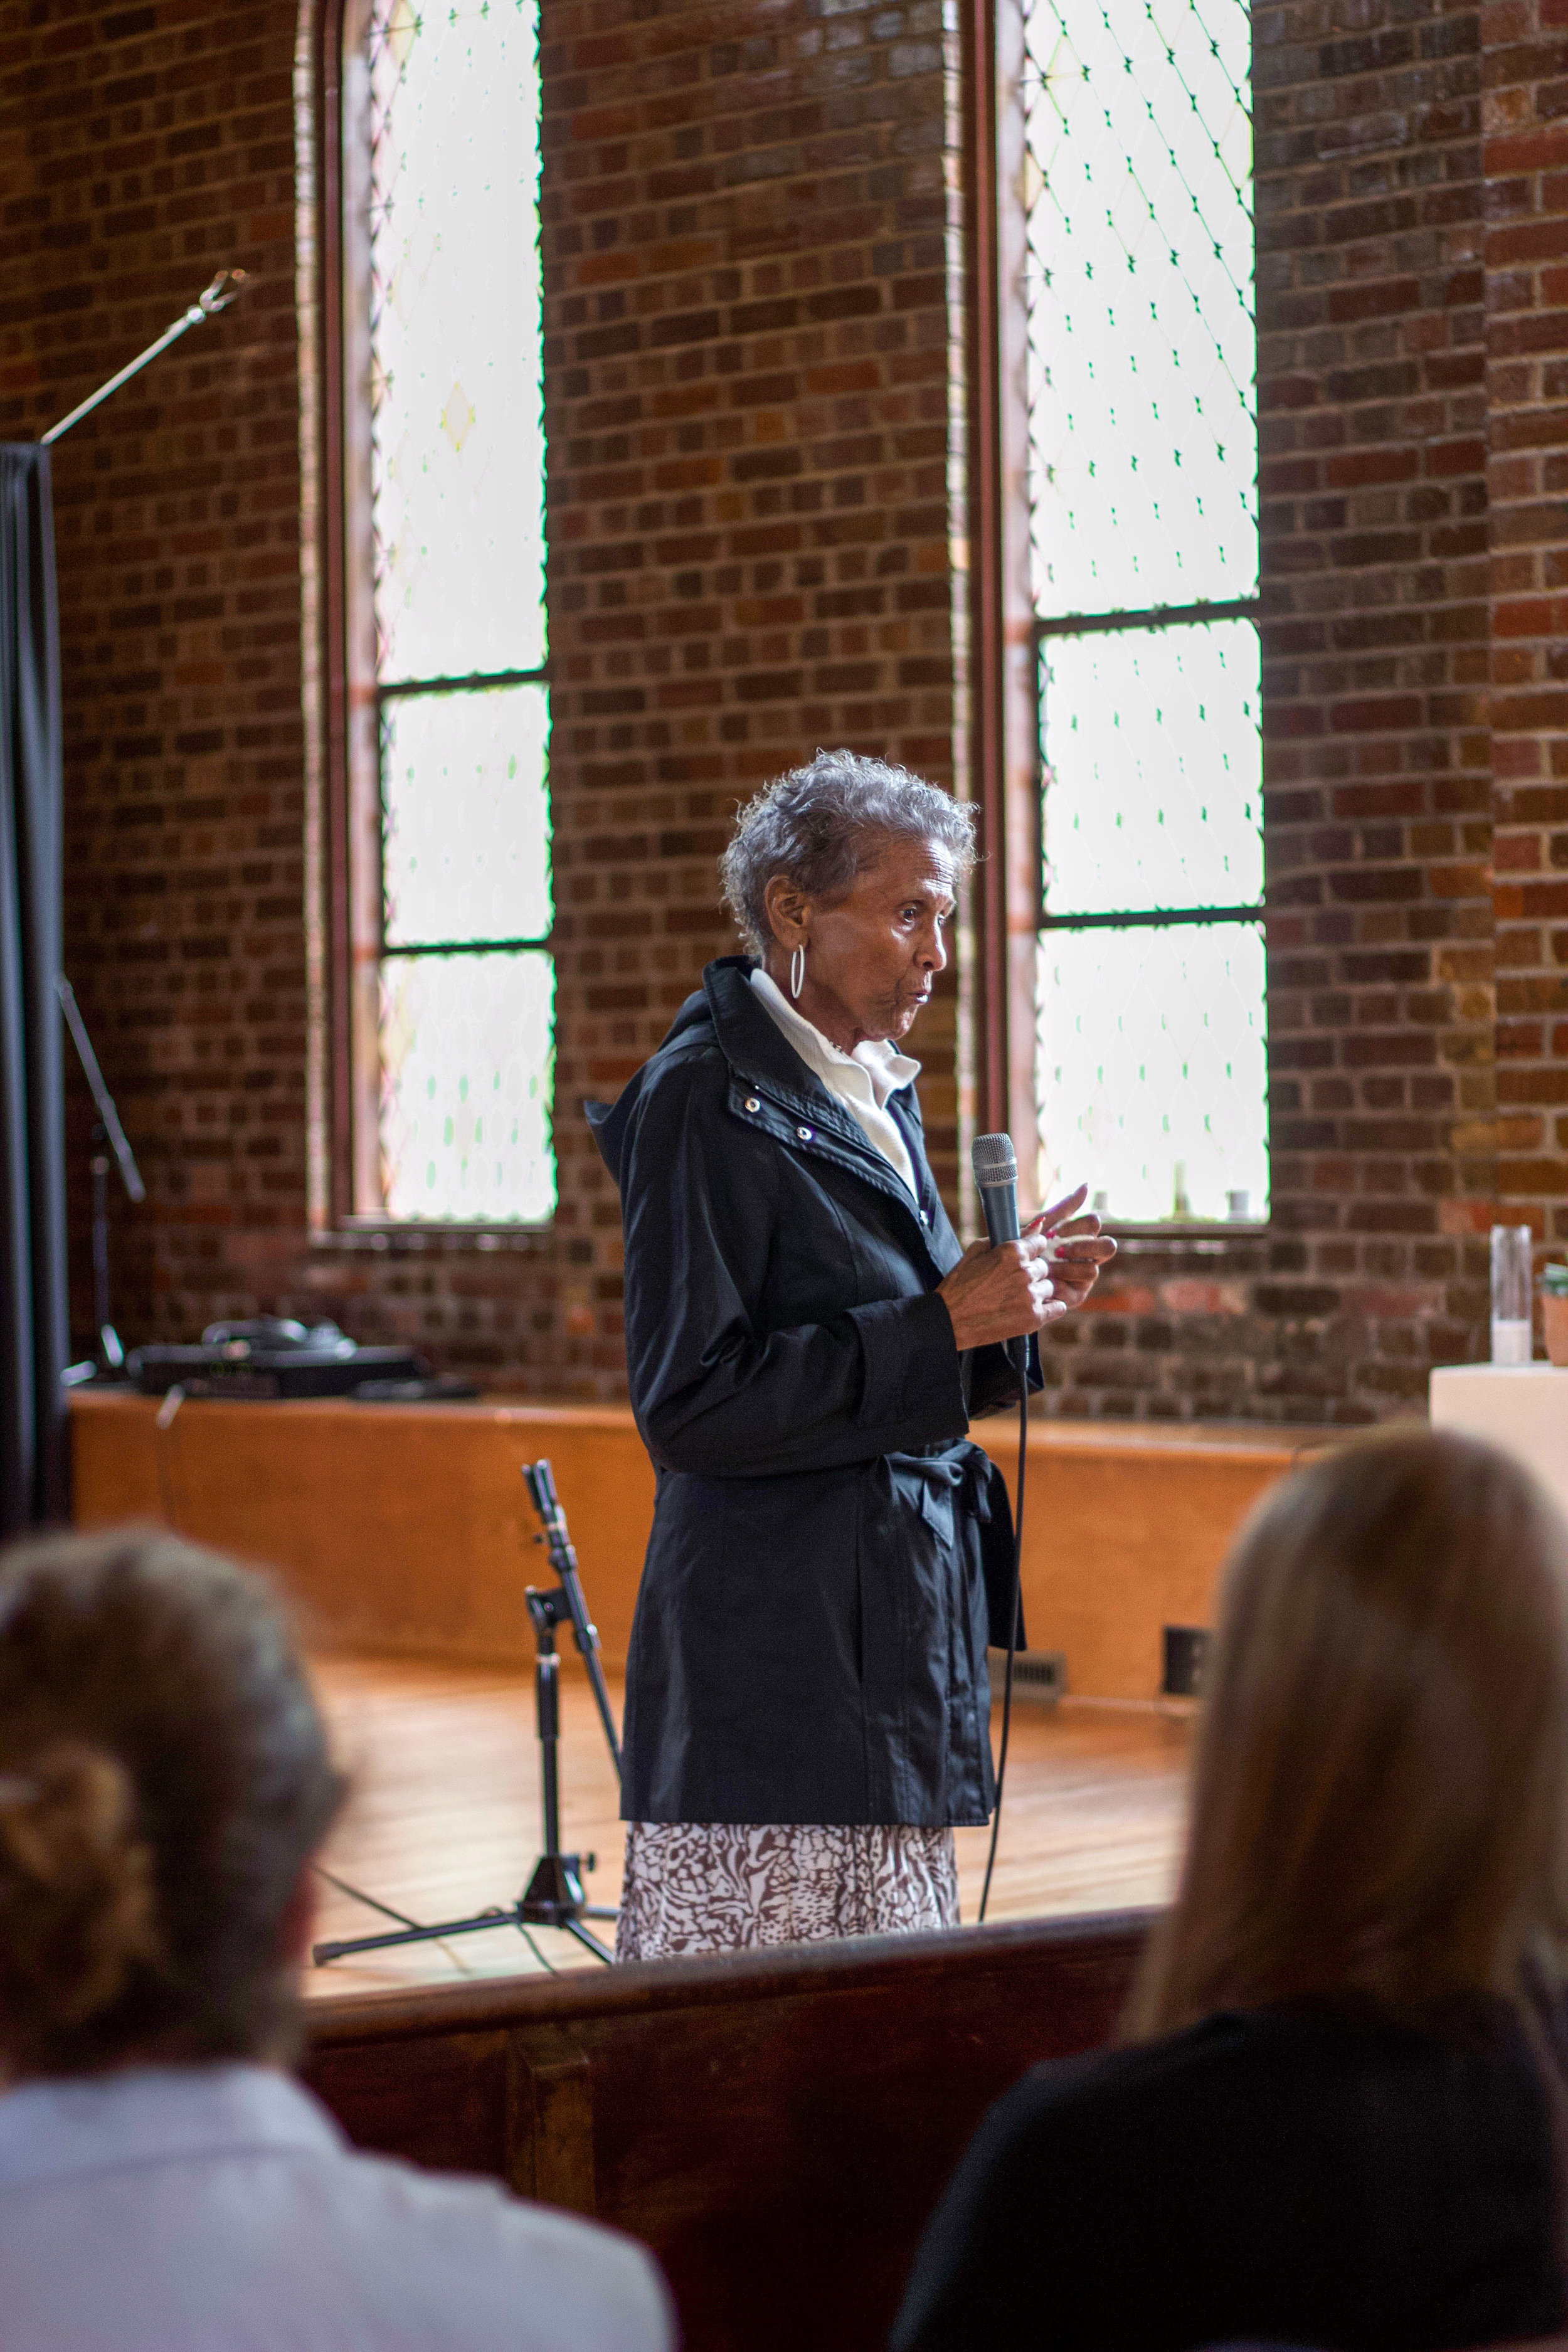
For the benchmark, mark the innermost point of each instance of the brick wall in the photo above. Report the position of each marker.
(747, 316)
(140, 149)
(748, 336)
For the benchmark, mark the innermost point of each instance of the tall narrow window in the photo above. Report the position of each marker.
(454, 975)
(1145, 557)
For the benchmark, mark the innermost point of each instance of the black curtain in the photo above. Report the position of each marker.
(34, 1323)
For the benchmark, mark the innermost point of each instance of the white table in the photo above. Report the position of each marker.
(1522, 1408)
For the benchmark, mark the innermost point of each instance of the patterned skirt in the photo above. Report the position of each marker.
(725, 1887)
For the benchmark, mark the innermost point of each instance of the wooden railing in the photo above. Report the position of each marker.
(407, 1528)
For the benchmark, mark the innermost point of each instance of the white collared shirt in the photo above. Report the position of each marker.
(219, 2209)
(862, 1081)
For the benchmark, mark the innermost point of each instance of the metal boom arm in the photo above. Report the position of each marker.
(225, 287)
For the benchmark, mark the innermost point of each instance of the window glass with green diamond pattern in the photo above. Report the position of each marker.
(466, 1037)
(1141, 368)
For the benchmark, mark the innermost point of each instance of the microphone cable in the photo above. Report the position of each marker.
(1013, 1627)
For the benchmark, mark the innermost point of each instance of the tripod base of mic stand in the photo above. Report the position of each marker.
(552, 1899)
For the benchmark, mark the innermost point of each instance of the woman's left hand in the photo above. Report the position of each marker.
(1082, 1249)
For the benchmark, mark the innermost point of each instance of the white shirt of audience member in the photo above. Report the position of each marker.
(219, 2209)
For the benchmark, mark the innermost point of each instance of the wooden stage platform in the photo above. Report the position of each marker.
(445, 1815)
(407, 1528)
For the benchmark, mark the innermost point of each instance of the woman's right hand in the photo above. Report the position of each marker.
(1001, 1291)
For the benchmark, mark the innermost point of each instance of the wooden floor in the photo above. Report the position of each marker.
(445, 1817)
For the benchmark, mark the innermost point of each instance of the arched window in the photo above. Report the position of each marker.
(1141, 364)
(446, 865)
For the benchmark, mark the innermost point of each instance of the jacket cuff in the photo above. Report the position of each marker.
(914, 1383)
(994, 1383)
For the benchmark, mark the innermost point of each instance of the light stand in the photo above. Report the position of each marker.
(553, 1896)
(107, 1129)
(225, 289)
(110, 1357)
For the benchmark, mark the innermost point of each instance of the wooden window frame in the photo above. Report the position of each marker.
(1004, 779)
(332, 1107)
(1000, 767)
(344, 916)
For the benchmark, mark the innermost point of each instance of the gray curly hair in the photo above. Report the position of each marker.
(820, 824)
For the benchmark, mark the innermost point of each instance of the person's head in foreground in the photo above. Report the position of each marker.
(1379, 1791)
(165, 1784)
(1337, 2115)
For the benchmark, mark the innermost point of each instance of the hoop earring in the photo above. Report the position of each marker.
(797, 974)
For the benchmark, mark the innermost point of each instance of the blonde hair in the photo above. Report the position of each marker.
(1380, 1790)
(163, 1780)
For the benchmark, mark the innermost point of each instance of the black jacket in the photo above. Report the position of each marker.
(829, 1555)
(1286, 2177)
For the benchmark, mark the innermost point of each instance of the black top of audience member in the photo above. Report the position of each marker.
(1288, 2177)
(1341, 2119)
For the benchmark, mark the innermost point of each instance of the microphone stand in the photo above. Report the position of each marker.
(107, 1129)
(553, 1896)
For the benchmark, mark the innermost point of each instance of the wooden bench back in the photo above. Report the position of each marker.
(776, 2126)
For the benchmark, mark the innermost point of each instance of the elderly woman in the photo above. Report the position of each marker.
(807, 1703)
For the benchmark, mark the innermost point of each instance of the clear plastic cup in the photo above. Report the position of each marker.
(1512, 1283)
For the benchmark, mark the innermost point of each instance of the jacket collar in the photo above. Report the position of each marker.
(755, 1047)
(760, 1056)
(761, 1061)
(751, 1042)
(879, 1063)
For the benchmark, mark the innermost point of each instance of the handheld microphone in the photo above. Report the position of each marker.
(995, 1168)
(996, 1173)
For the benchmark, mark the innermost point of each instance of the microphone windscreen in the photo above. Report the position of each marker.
(993, 1160)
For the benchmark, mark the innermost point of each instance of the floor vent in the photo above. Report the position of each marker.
(1038, 1675)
